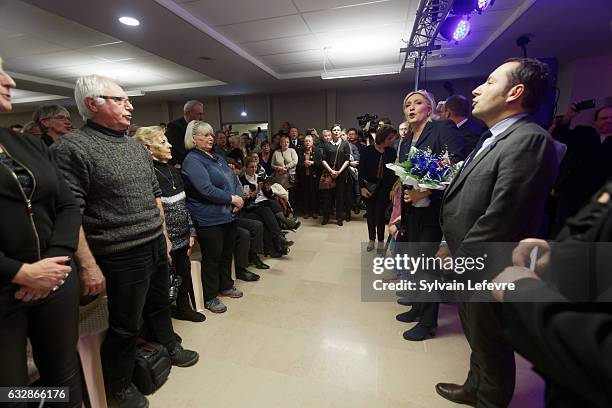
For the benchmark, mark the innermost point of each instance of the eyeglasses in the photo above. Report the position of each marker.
(121, 100)
(61, 117)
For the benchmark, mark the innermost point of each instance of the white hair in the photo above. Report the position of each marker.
(196, 127)
(90, 86)
(189, 105)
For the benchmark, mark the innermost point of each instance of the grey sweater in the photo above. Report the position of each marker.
(112, 178)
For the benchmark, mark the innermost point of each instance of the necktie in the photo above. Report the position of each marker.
(474, 152)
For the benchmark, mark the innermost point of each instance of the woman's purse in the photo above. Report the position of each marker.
(327, 182)
(370, 186)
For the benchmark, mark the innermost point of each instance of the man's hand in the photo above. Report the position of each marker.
(443, 252)
(92, 280)
(521, 256)
(365, 192)
(509, 275)
(414, 195)
(354, 163)
(570, 114)
(237, 203)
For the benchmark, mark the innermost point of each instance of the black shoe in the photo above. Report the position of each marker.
(284, 243)
(419, 333)
(129, 397)
(356, 210)
(325, 221)
(259, 263)
(456, 393)
(408, 317)
(339, 222)
(183, 358)
(246, 275)
(405, 301)
(348, 216)
(188, 315)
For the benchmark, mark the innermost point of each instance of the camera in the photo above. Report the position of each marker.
(367, 122)
(175, 282)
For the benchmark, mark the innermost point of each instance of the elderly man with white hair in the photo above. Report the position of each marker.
(175, 132)
(123, 240)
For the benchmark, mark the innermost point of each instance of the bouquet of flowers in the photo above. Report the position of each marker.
(425, 170)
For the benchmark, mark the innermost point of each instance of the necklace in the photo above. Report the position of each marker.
(171, 179)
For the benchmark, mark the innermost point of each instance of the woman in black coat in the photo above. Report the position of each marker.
(308, 172)
(39, 292)
(421, 224)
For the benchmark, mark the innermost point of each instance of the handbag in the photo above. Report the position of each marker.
(152, 366)
(327, 182)
(372, 186)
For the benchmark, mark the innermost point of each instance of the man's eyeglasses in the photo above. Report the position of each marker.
(121, 100)
(61, 117)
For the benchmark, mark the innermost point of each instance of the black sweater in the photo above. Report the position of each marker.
(368, 167)
(56, 214)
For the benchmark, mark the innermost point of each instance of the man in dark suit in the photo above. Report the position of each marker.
(401, 144)
(586, 164)
(457, 109)
(175, 132)
(570, 344)
(498, 196)
(294, 142)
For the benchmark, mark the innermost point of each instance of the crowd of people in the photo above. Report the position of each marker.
(93, 210)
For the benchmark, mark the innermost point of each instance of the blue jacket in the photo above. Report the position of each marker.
(209, 185)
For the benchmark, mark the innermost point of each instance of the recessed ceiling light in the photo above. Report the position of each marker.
(206, 58)
(129, 21)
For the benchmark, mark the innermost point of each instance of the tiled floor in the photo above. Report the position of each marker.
(301, 337)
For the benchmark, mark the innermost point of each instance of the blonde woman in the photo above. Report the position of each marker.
(422, 223)
(284, 163)
(178, 222)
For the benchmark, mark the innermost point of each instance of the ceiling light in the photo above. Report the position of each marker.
(130, 21)
(243, 114)
(354, 73)
(135, 92)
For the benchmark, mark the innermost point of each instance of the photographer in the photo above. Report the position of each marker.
(585, 166)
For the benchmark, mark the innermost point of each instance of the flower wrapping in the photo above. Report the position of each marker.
(425, 170)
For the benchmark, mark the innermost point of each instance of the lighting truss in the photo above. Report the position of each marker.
(429, 17)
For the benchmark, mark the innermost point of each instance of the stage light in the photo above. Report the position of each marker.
(483, 5)
(455, 28)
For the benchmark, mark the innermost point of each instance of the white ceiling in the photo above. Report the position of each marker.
(262, 46)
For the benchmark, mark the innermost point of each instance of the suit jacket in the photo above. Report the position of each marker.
(175, 133)
(499, 196)
(404, 149)
(570, 344)
(586, 164)
(471, 131)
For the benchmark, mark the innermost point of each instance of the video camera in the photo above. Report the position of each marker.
(368, 123)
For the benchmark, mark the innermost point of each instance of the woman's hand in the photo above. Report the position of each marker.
(191, 244)
(365, 192)
(521, 256)
(44, 275)
(414, 195)
(237, 203)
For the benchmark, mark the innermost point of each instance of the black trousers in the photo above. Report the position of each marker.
(340, 195)
(424, 234)
(249, 241)
(182, 267)
(52, 325)
(375, 208)
(264, 212)
(217, 243)
(137, 284)
(492, 366)
(308, 187)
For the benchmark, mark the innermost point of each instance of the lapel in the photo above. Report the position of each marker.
(424, 136)
(464, 172)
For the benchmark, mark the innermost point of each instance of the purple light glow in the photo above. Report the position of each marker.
(483, 5)
(462, 30)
